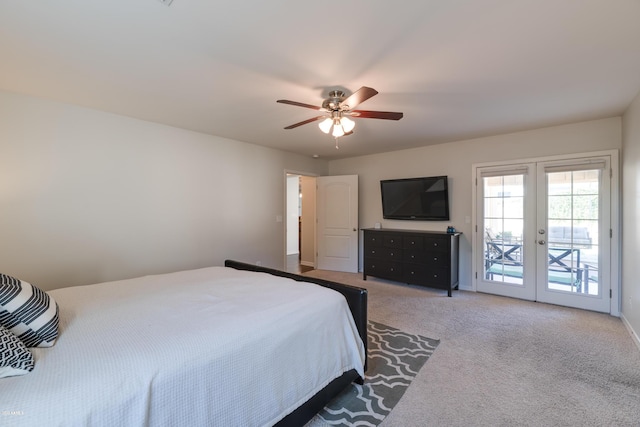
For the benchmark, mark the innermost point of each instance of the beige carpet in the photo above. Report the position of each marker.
(506, 362)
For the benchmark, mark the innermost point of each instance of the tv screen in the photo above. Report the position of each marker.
(425, 199)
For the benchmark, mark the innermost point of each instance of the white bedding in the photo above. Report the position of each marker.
(207, 347)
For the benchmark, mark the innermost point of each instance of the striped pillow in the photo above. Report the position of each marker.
(28, 312)
(15, 358)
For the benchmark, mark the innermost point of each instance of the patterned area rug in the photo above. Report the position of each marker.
(395, 358)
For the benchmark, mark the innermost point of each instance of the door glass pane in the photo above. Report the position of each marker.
(572, 231)
(503, 228)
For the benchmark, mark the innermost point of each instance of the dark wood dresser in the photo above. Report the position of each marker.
(425, 258)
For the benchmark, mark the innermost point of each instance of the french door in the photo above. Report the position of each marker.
(544, 231)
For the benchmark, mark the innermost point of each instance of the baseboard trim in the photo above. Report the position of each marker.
(307, 263)
(634, 335)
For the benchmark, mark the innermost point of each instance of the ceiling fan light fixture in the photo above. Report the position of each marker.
(325, 125)
(337, 106)
(337, 129)
(347, 124)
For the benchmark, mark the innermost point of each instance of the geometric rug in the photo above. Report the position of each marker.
(395, 358)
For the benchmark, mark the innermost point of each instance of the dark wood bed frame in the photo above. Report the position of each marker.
(357, 301)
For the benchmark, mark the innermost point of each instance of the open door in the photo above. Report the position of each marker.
(337, 215)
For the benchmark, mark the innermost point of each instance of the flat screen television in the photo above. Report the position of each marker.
(421, 199)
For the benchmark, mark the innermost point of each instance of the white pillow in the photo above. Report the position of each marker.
(28, 312)
(15, 358)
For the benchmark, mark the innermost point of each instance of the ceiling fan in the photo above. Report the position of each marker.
(339, 108)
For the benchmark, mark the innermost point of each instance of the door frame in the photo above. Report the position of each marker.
(616, 211)
(285, 228)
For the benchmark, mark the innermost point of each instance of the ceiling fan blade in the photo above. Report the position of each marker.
(387, 115)
(298, 104)
(295, 125)
(359, 96)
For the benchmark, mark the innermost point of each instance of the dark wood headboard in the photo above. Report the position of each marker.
(356, 297)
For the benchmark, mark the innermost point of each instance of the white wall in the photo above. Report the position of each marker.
(87, 196)
(455, 160)
(631, 215)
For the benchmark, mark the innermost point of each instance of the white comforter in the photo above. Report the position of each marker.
(207, 347)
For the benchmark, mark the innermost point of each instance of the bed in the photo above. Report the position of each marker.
(239, 345)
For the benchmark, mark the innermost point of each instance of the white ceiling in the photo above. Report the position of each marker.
(458, 69)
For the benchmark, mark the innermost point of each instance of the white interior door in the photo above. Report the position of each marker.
(337, 215)
(544, 231)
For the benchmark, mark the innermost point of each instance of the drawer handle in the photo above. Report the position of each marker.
(435, 258)
(435, 275)
(373, 252)
(391, 253)
(412, 256)
(391, 268)
(413, 243)
(435, 244)
(412, 273)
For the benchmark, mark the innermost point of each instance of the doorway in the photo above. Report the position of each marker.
(544, 231)
(321, 229)
(300, 227)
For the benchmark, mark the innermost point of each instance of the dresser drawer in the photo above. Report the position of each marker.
(415, 256)
(427, 258)
(436, 243)
(392, 240)
(415, 274)
(413, 242)
(382, 268)
(437, 277)
(382, 252)
(436, 259)
(372, 239)
(424, 275)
